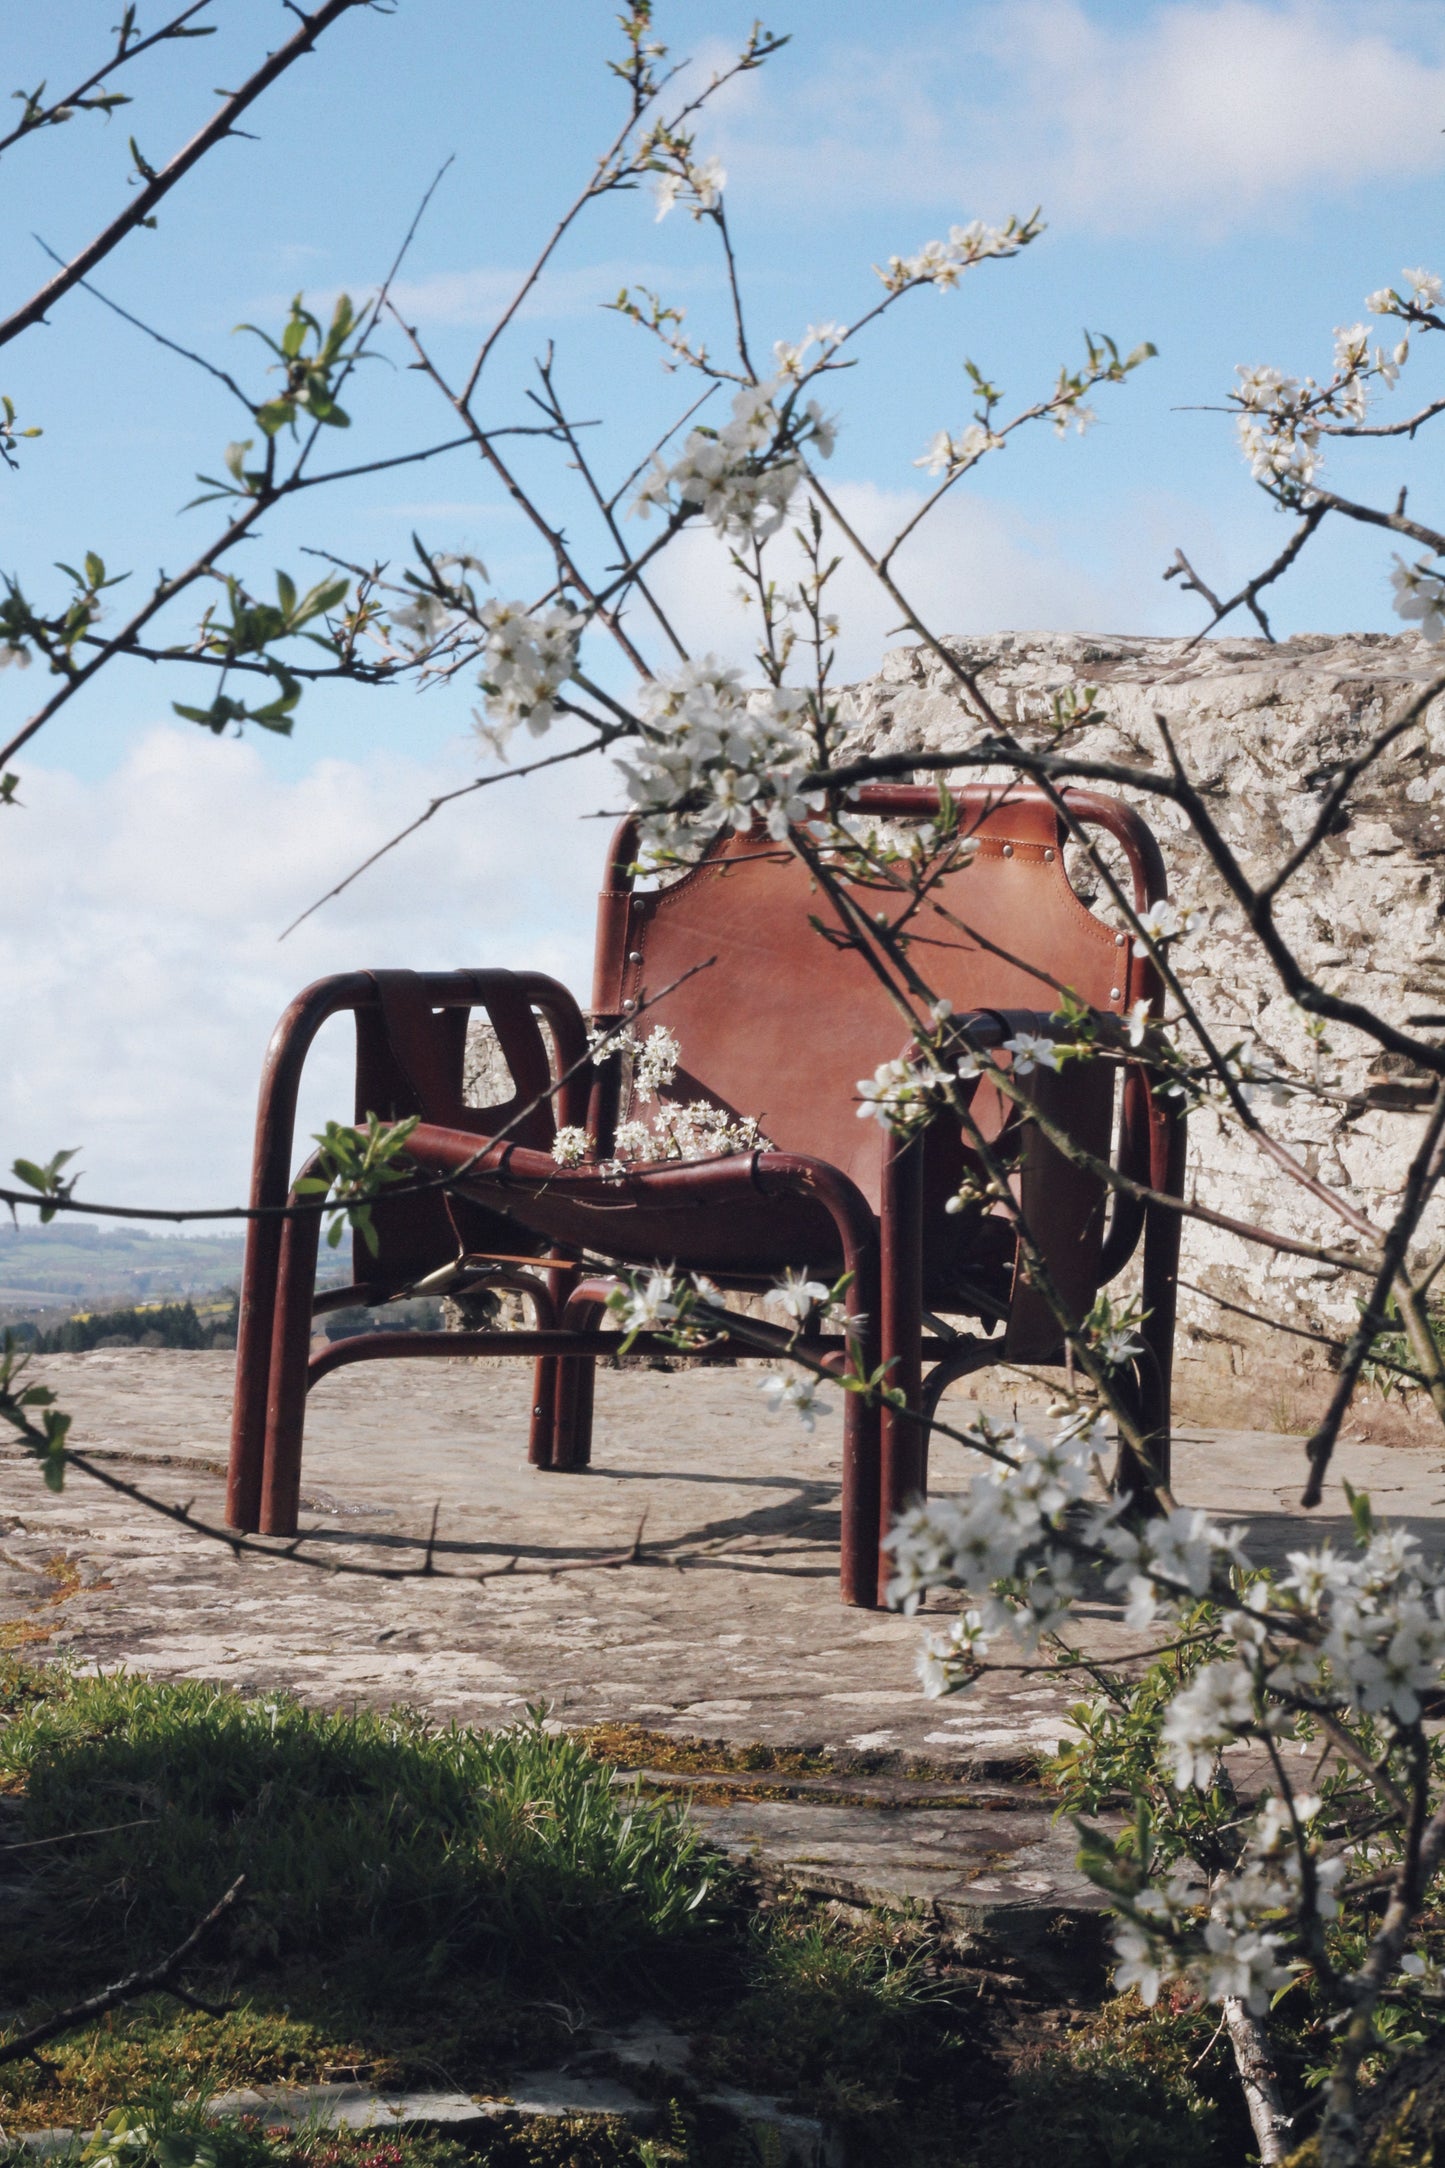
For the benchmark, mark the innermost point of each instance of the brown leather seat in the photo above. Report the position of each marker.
(777, 1021)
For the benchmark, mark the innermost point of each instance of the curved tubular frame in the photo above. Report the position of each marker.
(279, 1244)
(885, 1460)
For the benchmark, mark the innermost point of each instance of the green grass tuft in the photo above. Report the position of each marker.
(391, 1852)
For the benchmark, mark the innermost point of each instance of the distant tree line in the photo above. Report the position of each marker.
(167, 1324)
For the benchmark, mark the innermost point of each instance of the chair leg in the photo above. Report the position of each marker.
(862, 1447)
(254, 1336)
(286, 1397)
(542, 1432)
(1160, 1297)
(546, 1382)
(902, 1434)
(576, 1379)
(576, 1383)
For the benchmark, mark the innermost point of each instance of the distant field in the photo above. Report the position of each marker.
(66, 1267)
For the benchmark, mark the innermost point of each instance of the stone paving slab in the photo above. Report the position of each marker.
(723, 1621)
(687, 1583)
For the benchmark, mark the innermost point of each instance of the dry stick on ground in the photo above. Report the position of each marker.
(292, 1552)
(143, 1982)
(73, 1836)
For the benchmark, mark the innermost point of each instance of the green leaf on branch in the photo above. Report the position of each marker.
(245, 481)
(310, 369)
(46, 1181)
(355, 1165)
(224, 711)
(1362, 1513)
(19, 1406)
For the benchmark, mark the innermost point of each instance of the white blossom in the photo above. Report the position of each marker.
(1425, 287)
(947, 1660)
(1352, 346)
(1071, 413)
(1388, 1658)
(954, 455)
(634, 1141)
(1316, 1575)
(1002, 1529)
(797, 1295)
(901, 1095)
(711, 755)
(1117, 1346)
(743, 476)
(1031, 1052)
(702, 183)
(569, 1146)
(647, 1303)
(1140, 1963)
(1242, 1962)
(697, 1130)
(1216, 1705)
(1163, 921)
(791, 356)
(1278, 426)
(1420, 596)
(1274, 1829)
(942, 263)
(655, 1063)
(797, 1390)
(526, 659)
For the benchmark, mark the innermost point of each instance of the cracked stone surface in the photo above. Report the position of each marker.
(720, 1621)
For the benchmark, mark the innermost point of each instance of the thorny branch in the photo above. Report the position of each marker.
(158, 184)
(144, 1981)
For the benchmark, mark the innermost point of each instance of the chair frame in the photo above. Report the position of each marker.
(411, 1030)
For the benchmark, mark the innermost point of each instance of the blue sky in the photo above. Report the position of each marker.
(1228, 180)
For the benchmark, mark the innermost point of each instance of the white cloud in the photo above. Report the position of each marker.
(975, 566)
(477, 297)
(139, 959)
(1214, 112)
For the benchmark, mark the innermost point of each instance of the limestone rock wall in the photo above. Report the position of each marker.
(1256, 724)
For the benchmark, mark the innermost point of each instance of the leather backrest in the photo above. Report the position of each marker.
(781, 1024)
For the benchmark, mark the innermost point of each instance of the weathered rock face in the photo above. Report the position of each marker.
(1257, 726)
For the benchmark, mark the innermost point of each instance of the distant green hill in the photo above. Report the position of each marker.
(72, 1265)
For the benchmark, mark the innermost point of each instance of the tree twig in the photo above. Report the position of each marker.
(221, 124)
(142, 1982)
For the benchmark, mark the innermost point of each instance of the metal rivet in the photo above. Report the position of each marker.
(1008, 850)
(634, 956)
(629, 1003)
(1119, 940)
(1048, 858)
(1113, 993)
